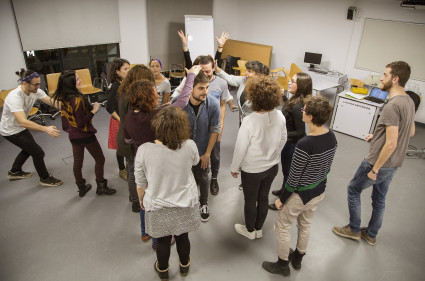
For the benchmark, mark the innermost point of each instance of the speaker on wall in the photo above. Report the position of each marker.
(351, 13)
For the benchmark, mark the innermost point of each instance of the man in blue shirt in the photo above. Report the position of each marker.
(203, 112)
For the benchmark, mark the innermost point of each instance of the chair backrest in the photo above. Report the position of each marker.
(230, 63)
(294, 70)
(242, 67)
(52, 82)
(3, 95)
(283, 81)
(356, 82)
(416, 99)
(85, 77)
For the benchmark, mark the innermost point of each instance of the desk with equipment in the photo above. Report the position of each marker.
(356, 116)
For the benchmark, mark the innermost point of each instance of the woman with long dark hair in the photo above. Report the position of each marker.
(300, 87)
(118, 72)
(77, 114)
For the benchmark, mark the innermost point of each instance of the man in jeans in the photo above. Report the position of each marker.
(15, 126)
(203, 112)
(388, 147)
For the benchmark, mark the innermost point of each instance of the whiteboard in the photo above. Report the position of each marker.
(201, 35)
(383, 42)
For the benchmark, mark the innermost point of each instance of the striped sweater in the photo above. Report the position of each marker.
(310, 166)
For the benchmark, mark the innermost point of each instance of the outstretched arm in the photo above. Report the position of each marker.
(185, 38)
(221, 41)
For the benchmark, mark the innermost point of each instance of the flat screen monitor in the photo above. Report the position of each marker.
(312, 58)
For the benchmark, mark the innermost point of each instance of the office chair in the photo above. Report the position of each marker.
(87, 88)
(46, 109)
(231, 62)
(294, 70)
(241, 68)
(412, 151)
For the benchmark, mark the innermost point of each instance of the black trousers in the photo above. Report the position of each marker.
(163, 250)
(256, 187)
(215, 160)
(26, 142)
(201, 178)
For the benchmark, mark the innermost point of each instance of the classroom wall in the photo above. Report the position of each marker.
(133, 30)
(294, 27)
(11, 56)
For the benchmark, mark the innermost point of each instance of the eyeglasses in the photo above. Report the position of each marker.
(35, 85)
(293, 81)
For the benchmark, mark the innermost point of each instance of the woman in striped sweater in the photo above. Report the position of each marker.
(306, 185)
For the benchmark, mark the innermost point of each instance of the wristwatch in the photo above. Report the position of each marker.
(375, 173)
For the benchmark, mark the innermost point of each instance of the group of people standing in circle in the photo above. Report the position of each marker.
(165, 145)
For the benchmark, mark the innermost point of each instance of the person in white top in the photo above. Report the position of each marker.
(170, 200)
(15, 126)
(260, 140)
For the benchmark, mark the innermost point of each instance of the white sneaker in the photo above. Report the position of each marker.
(241, 229)
(205, 213)
(258, 233)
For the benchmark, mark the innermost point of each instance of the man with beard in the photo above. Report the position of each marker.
(203, 112)
(388, 146)
(218, 89)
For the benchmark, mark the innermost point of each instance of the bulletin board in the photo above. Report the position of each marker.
(248, 51)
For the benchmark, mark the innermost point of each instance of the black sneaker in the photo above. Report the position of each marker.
(205, 213)
(50, 181)
(18, 175)
(214, 187)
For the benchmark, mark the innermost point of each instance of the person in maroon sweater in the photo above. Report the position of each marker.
(77, 114)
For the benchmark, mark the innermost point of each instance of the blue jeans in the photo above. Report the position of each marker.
(380, 188)
(142, 226)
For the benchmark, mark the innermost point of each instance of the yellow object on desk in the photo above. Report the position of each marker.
(358, 90)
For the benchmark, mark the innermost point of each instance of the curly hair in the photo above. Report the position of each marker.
(137, 73)
(319, 108)
(263, 92)
(143, 96)
(304, 89)
(116, 64)
(171, 127)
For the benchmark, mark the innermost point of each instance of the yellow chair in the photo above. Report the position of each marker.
(356, 82)
(87, 87)
(3, 95)
(294, 70)
(282, 80)
(241, 67)
(52, 82)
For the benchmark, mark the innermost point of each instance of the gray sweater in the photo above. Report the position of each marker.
(167, 175)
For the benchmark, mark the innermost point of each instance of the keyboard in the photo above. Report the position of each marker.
(318, 70)
(373, 99)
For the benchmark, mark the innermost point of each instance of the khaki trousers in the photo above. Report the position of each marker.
(295, 209)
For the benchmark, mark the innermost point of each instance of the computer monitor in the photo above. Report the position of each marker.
(312, 58)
